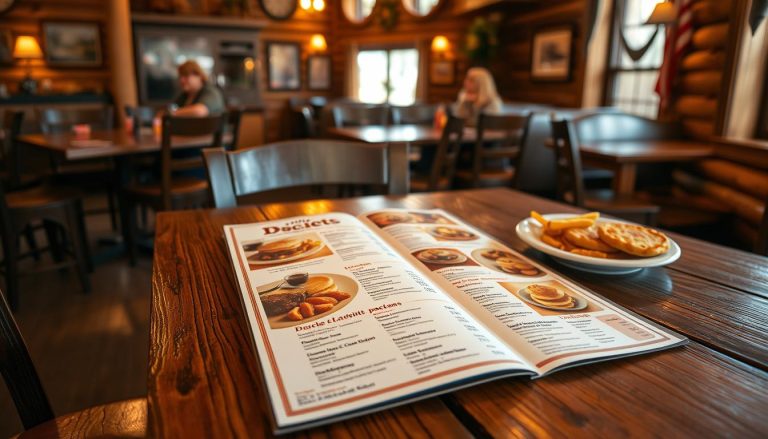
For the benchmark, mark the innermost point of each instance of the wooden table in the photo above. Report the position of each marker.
(113, 143)
(622, 157)
(204, 378)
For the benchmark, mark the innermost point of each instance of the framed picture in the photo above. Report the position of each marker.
(283, 66)
(72, 44)
(551, 54)
(442, 72)
(319, 72)
(6, 47)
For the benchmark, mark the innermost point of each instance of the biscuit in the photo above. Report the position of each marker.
(587, 238)
(544, 292)
(634, 239)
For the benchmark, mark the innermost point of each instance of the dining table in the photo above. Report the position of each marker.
(624, 156)
(204, 377)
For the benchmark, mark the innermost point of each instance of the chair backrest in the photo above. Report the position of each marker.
(761, 247)
(419, 114)
(11, 160)
(142, 116)
(360, 115)
(19, 373)
(234, 116)
(57, 120)
(567, 162)
(302, 163)
(212, 126)
(607, 126)
(513, 129)
(447, 153)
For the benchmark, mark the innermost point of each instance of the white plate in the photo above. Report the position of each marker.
(529, 230)
(460, 258)
(578, 306)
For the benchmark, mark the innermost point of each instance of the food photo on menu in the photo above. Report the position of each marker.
(354, 314)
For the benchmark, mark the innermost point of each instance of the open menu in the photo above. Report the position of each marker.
(353, 315)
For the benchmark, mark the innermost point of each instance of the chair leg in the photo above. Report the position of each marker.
(11, 253)
(29, 236)
(130, 229)
(111, 198)
(55, 242)
(80, 211)
(73, 228)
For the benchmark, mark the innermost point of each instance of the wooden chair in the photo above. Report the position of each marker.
(497, 165)
(61, 213)
(570, 182)
(90, 174)
(443, 166)
(356, 115)
(303, 121)
(419, 114)
(12, 173)
(172, 192)
(292, 164)
(120, 419)
(234, 116)
(761, 247)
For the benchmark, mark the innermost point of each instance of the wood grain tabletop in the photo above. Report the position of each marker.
(204, 377)
(652, 151)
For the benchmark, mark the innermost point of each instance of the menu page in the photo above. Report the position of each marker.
(342, 322)
(546, 319)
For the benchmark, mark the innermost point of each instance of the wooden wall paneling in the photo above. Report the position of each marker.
(711, 11)
(711, 36)
(706, 83)
(26, 18)
(703, 60)
(697, 106)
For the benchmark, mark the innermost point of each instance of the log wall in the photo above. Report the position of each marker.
(26, 17)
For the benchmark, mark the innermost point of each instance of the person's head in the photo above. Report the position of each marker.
(479, 82)
(191, 76)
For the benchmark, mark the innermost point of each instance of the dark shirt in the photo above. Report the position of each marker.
(209, 96)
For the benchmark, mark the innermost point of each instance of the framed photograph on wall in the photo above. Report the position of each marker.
(442, 72)
(72, 44)
(283, 66)
(551, 54)
(6, 47)
(319, 72)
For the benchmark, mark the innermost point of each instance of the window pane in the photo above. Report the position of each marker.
(372, 76)
(403, 76)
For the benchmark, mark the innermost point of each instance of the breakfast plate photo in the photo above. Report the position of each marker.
(578, 303)
(282, 250)
(452, 233)
(505, 262)
(442, 256)
(531, 231)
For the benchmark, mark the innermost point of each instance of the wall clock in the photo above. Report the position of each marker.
(278, 9)
(6, 5)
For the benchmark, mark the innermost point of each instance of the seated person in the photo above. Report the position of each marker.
(477, 95)
(198, 98)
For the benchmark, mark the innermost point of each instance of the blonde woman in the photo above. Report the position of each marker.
(478, 95)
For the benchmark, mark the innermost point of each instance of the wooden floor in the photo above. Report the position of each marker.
(88, 349)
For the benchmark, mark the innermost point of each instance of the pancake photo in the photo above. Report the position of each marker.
(268, 253)
(301, 298)
(550, 297)
(447, 233)
(505, 262)
(437, 258)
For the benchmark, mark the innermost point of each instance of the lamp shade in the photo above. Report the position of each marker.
(26, 47)
(440, 44)
(317, 42)
(663, 13)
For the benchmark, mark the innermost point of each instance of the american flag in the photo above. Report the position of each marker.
(680, 37)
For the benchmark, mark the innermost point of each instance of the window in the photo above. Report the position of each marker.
(636, 56)
(387, 76)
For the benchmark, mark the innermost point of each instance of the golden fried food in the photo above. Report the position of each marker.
(553, 241)
(634, 239)
(544, 292)
(592, 253)
(587, 238)
(569, 223)
(319, 309)
(494, 254)
(294, 314)
(336, 295)
(307, 310)
(321, 300)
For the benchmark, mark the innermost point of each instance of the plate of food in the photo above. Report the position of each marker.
(598, 245)
(281, 250)
(549, 297)
(505, 262)
(452, 233)
(388, 218)
(302, 297)
(444, 256)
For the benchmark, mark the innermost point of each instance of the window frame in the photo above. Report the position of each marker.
(613, 66)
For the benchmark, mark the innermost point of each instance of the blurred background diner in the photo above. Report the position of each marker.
(652, 111)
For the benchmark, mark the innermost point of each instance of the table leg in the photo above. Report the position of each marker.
(624, 180)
